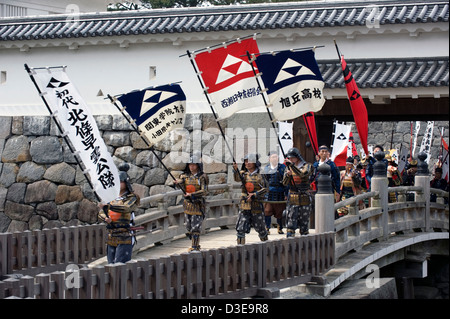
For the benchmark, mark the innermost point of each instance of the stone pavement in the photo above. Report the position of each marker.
(212, 239)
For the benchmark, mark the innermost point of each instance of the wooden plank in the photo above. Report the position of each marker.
(66, 244)
(27, 282)
(176, 283)
(58, 278)
(99, 288)
(43, 282)
(85, 291)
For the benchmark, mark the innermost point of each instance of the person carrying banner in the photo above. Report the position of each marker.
(119, 217)
(350, 184)
(254, 187)
(324, 158)
(299, 205)
(275, 199)
(195, 183)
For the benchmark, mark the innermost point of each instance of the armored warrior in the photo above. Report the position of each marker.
(119, 216)
(195, 184)
(299, 204)
(250, 207)
(275, 199)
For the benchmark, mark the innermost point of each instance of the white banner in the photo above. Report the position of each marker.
(394, 155)
(157, 110)
(285, 134)
(76, 121)
(403, 159)
(425, 146)
(340, 143)
(416, 133)
(445, 165)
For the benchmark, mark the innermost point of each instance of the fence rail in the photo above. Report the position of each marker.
(235, 272)
(32, 252)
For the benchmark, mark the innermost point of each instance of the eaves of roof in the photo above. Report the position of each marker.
(388, 73)
(309, 14)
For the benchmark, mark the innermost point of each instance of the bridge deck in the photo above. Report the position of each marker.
(212, 239)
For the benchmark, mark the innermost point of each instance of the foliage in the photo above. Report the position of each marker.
(155, 4)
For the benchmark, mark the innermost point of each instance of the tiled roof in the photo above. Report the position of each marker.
(388, 73)
(309, 14)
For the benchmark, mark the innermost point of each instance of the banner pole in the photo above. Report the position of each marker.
(217, 120)
(27, 68)
(222, 44)
(210, 105)
(337, 49)
(136, 129)
(266, 104)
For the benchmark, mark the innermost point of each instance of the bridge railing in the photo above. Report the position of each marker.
(233, 272)
(166, 223)
(381, 219)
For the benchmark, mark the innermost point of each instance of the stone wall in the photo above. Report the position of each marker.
(42, 186)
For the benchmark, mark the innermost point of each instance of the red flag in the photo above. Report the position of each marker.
(357, 104)
(229, 78)
(312, 133)
(444, 144)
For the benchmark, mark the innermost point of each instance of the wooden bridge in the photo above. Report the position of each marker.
(69, 262)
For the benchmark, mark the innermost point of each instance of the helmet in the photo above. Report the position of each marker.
(251, 158)
(196, 159)
(123, 176)
(294, 152)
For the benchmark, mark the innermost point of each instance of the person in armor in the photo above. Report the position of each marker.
(299, 204)
(275, 199)
(251, 213)
(194, 182)
(350, 184)
(119, 217)
(393, 176)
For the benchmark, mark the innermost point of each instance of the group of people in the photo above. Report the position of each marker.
(284, 191)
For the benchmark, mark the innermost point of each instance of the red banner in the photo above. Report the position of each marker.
(310, 124)
(357, 104)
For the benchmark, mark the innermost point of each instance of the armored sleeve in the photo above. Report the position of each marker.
(127, 205)
(203, 191)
